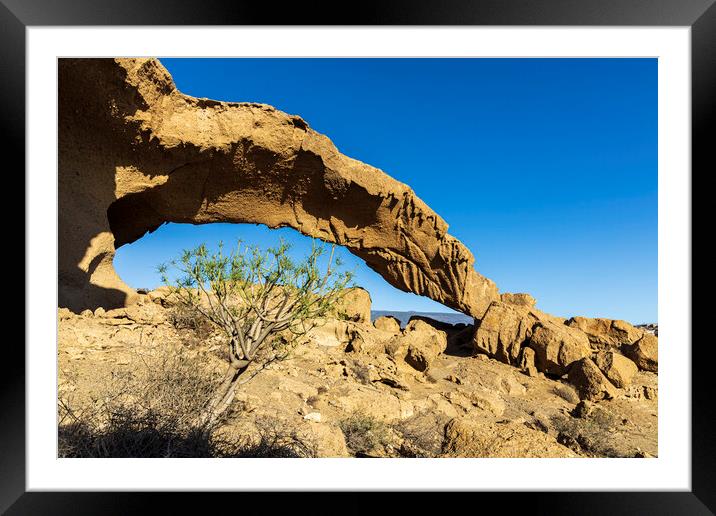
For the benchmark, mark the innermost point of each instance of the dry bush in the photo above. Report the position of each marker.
(593, 436)
(364, 433)
(276, 438)
(147, 411)
(184, 318)
(566, 392)
(152, 410)
(422, 435)
(361, 371)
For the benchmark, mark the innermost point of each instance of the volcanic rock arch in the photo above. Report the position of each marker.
(134, 153)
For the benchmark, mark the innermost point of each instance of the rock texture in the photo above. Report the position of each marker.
(387, 323)
(557, 347)
(354, 306)
(135, 153)
(504, 330)
(645, 353)
(589, 381)
(520, 299)
(606, 334)
(468, 438)
(419, 345)
(619, 369)
(342, 390)
(508, 329)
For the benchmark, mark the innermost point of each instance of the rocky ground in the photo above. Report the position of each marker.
(352, 388)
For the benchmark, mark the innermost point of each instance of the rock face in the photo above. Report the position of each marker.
(589, 381)
(645, 353)
(518, 299)
(557, 347)
(387, 323)
(616, 367)
(134, 153)
(508, 329)
(354, 306)
(503, 331)
(468, 438)
(419, 345)
(606, 334)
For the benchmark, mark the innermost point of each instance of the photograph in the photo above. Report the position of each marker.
(358, 257)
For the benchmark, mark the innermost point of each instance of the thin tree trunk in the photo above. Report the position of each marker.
(224, 395)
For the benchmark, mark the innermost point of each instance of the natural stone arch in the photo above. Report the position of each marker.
(134, 153)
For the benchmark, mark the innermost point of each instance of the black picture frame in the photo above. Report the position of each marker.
(700, 15)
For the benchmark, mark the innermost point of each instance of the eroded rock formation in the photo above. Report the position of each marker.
(134, 153)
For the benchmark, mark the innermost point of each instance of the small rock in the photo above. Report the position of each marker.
(512, 387)
(86, 313)
(313, 416)
(99, 312)
(650, 393)
(454, 379)
(541, 422)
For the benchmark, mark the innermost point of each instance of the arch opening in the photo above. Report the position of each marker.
(136, 262)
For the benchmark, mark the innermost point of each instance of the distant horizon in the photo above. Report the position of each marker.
(546, 169)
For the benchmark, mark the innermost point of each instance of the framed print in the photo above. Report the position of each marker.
(444, 239)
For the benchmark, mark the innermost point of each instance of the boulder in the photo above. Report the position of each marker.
(331, 333)
(589, 381)
(644, 352)
(616, 367)
(354, 306)
(466, 437)
(606, 334)
(557, 347)
(503, 331)
(519, 299)
(436, 404)
(368, 340)
(422, 344)
(162, 296)
(387, 323)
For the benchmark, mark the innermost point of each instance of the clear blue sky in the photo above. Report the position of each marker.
(545, 168)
